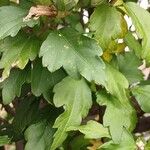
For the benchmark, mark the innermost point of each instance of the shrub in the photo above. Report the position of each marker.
(70, 76)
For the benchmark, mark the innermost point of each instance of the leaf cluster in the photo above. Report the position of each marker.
(70, 76)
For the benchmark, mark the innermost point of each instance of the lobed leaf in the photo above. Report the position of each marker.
(128, 65)
(141, 20)
(118, 114)
(133, 44)
(108, 24)
(39, 136)
(127, 143)
(75, 96)
(12, 85)
(42, 80)
(11, 20)
(17, 52)
(142, 95)
(76, 53)
(92, 130)
(116, 83)
(26, 114)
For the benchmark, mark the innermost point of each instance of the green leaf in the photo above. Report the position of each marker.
(12, 85)
(92, 130)
(108, 24)
(116, 83)
(42, 2)
(131, 1)
(141, 20)
(42, 80)
(117, 104)
(39, 136)
(4, 2)
(147, 146)
(84, 3)
(76, 98)
(133, 44)
(11, 20)
(4, 140)
(74, 21)
(76, 53)
(70, 3)
(127, 143)
(128, 65)
(142, 95)
(97, 2)
(118, 114)
(17, 52)
(65, 4)
(6, 133)
(26, 113)
(79, 143)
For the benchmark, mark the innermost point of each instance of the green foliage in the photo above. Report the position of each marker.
(4, 140)
(92, 130)
(97, 2)
(4, 2)
(117, 107)
(75, 95)
(17, 52)
(21, 120)
(11, 20)
(147, 147)
(12, 85)
(116, 82)
(127, 143)
(142, 95)
(46, 80)
(67, 81)
(39, 136)
(79, 143)
(141, 19)
(128, 64)
(133, 44)
(71, 55)
(102, 26)
(42, 2)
